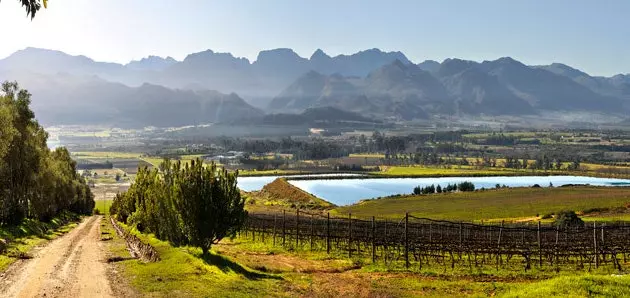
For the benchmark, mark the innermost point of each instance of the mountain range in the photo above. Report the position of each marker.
(218, 87)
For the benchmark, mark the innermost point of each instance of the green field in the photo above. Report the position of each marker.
(512, 203)
(244, 173)
(420, 171)
(103, 206)
(104, 154)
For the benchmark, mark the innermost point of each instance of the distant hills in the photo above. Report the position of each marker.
(500, 87)
(218, 87)
(68, 99)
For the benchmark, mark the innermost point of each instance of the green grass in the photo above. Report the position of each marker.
(104, 154)
(182, 272)
(30, 233)
(493, 204)
(103, 206)
(470, 171)
(249, 173)
(576, 286)
(368, 155)
(154, 161)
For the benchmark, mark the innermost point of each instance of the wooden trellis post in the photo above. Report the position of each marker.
(312, 232)
(284, 222)
(603, 244)
(328, 233)
(406, 240)
(540, 256)
(373, 240)
(297, 228)
(595, 245)
(350, 235)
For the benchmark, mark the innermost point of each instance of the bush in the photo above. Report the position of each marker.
(466, 186)
(568, 218)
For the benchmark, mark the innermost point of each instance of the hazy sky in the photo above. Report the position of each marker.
(591, 35)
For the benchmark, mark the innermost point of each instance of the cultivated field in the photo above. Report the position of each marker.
(495, 204)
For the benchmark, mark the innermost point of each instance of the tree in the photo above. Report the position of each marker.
(34, 182)
(466, 186)
(194, 204)
(33, 6)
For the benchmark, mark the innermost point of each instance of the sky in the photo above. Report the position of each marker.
(593, 36)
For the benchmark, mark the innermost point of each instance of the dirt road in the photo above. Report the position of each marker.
(70, 266)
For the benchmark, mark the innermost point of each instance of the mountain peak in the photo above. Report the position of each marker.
(508, 60)
(429, 65)
(280, 53)
(319, 55)
(151, 63)
(210, 56)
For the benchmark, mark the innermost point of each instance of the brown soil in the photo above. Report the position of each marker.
(70, 266)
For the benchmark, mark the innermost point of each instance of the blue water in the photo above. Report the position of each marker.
(257, 183)
(350, 191)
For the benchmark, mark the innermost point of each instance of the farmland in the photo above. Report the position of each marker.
(494, 204)
(349, 268)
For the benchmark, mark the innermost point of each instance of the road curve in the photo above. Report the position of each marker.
(70, 266)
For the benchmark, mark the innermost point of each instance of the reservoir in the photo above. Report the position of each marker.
(349, 191)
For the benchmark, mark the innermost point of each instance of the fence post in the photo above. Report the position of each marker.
(275, 216)
(595, 244)
(284, 221)
(328, 233)
(499, 259)
(297, 228)
(406, 240)
(460, 236)
(603, 249)
(349, 235)
(384, 251)
(540, 256)
(373, 241)
(555, 252)
(254, 233)
(312, 232)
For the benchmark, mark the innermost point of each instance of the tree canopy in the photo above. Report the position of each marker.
(186, 205)
(33, 6)
(35, 182)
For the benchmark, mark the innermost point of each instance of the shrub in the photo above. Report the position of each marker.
(568, 218)
(466, 186)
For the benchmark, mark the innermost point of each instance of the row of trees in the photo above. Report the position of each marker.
(186, 205)
(430, 189)
(35, 182)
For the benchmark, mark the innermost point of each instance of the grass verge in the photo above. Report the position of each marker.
(183, 272)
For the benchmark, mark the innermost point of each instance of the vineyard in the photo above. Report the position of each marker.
(413, 241)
